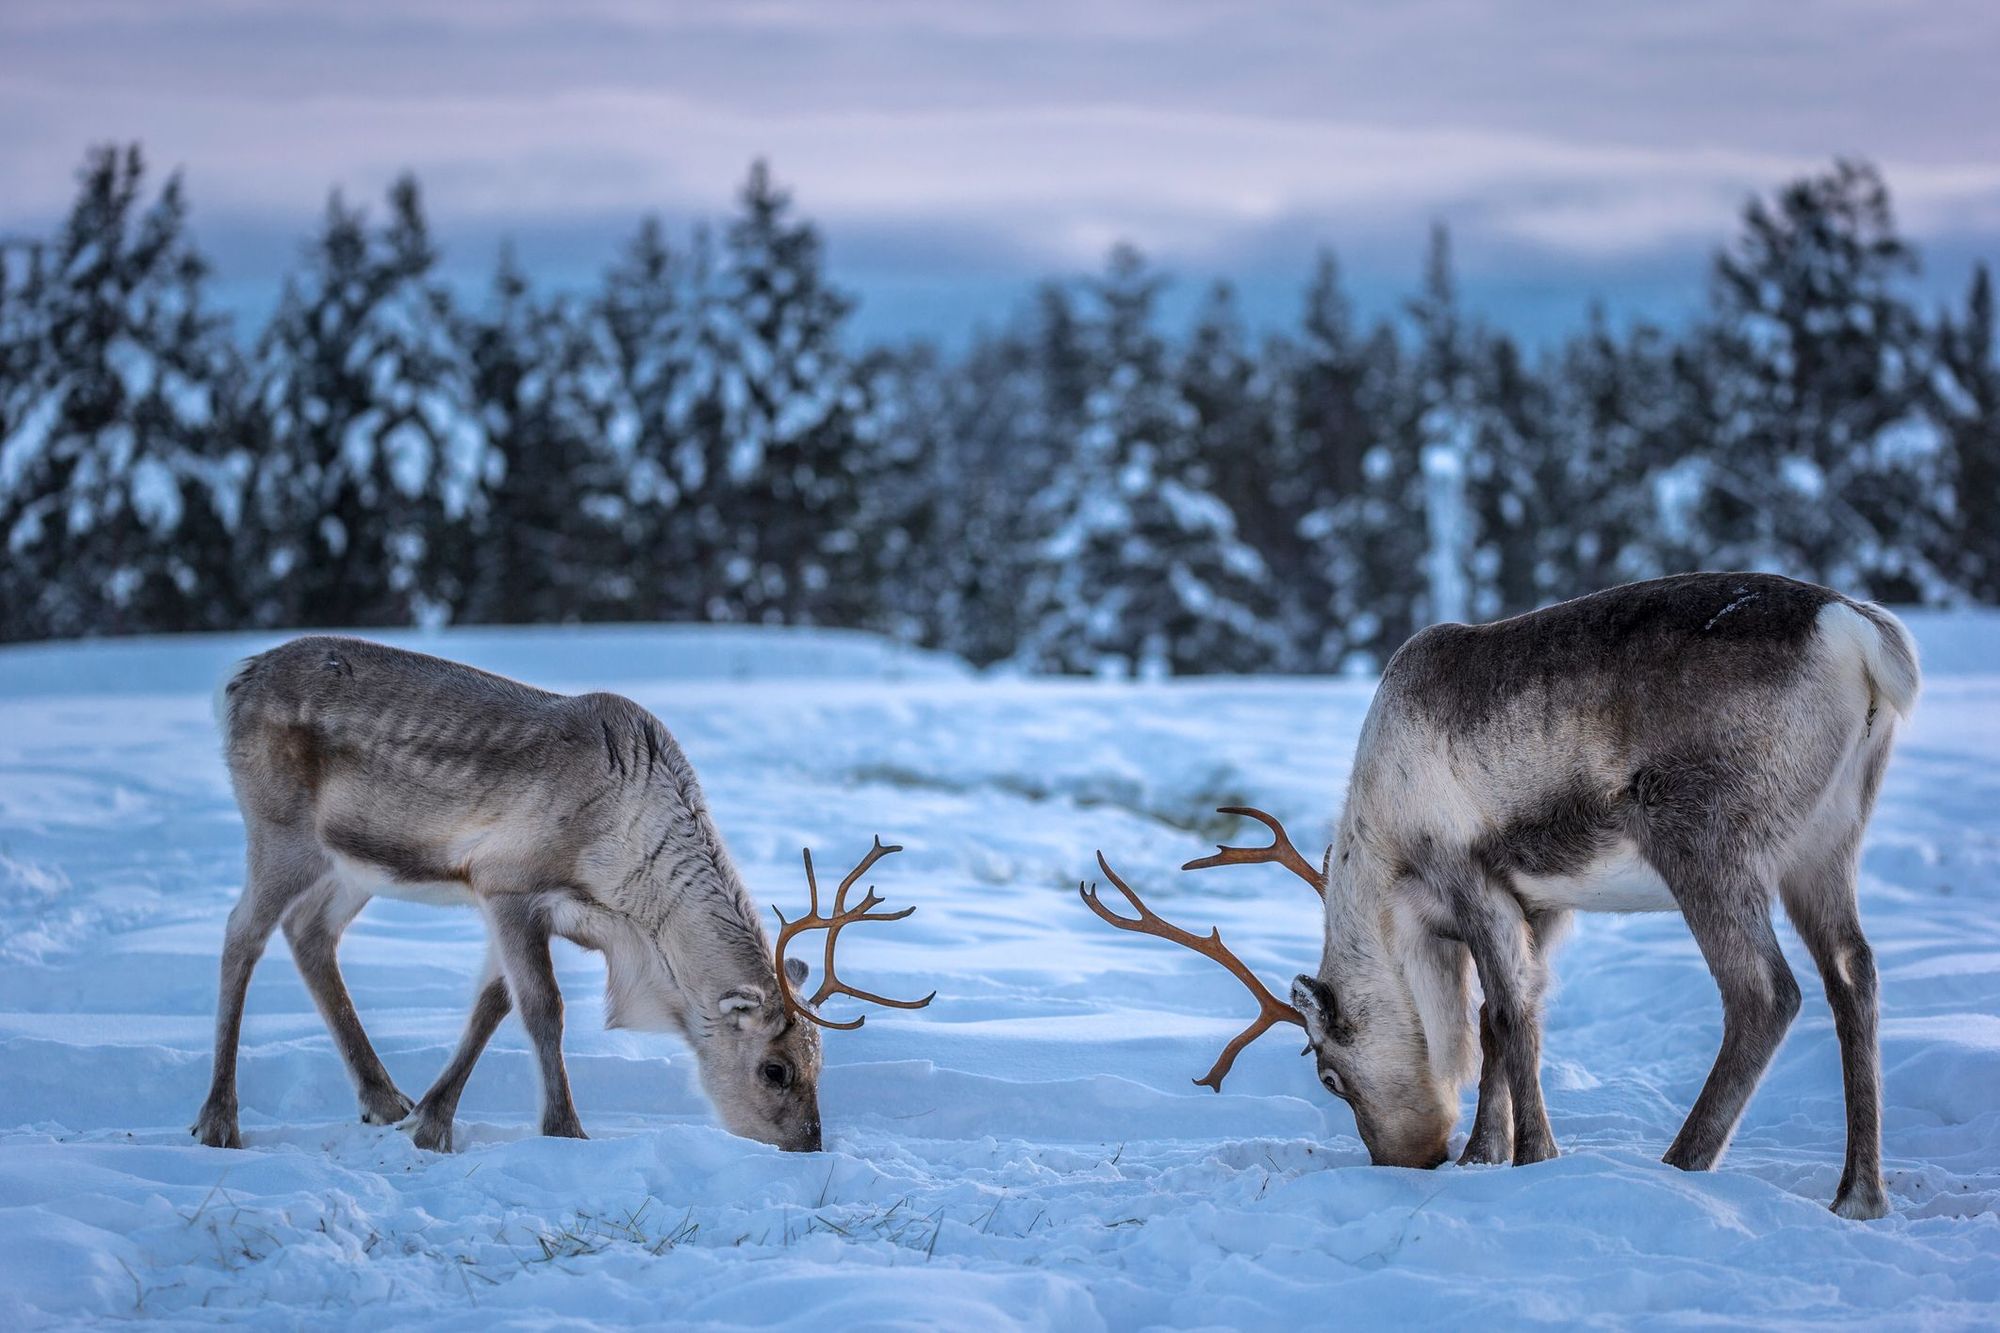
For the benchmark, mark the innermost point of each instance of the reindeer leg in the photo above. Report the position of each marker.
(1819, 897)
(1492, 1137)
(313, 928)
(1731, 921)
(278, 873)
(431, 1125)
(521, 933)
(1511, 972)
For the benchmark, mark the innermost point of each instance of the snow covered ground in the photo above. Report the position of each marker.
(1027, 1151)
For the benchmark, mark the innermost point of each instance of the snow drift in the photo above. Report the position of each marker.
(1029, 1150)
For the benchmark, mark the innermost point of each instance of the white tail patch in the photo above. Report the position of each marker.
(1881, 646)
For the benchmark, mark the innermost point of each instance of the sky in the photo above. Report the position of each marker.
(956, 153)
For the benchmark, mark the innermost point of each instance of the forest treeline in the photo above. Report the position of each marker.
(700, 438)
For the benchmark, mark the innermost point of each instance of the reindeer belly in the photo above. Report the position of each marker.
(1619, 881)
(375, 881)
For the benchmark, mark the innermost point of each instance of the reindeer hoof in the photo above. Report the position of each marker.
(432, 1135)
(1529, 1153)
(564, 1129)
(385, 1106)
(1482, 1150)
(1688, 1159)
(1861, 1204)
(216, 1128)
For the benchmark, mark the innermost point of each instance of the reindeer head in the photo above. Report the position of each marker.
(1368, 1045)
(761, 1069)
(763, 1074)
(1369, 1053)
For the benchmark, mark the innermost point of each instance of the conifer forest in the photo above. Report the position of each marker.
(1078, 488)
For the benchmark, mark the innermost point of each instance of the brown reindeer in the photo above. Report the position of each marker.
(364, 770)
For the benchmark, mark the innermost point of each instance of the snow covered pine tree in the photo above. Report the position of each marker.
(116, 490)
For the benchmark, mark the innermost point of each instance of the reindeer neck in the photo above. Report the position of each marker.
(687, 919)
(682, 892)
(1356, 902)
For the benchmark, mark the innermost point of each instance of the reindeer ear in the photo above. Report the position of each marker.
(742, 1002)
(1313, 999)
(796, 970)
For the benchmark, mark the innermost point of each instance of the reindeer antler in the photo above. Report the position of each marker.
(1271, 1009)
(833, 923)
(1280, 852)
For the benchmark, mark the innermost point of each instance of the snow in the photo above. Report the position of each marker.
(29, 439)
(1027, 1151)
(156, 494)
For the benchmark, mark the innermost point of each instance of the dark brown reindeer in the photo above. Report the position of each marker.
(1702, 744)
(365, 770)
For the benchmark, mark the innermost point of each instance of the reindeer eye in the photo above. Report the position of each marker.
(1333, 1083)
(777, 1075)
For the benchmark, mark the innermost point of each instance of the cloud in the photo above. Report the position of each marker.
(1044, 128)
(1060, 178)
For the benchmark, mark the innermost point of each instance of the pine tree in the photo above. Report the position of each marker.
(117, 483)
(1398, 547)
(654, 324)
(547, 531)
(1232, 447)
(1237, 456)
(1614, 443)
(1014, 408)
(915, 488)
(23, 307)
(981, 543)
(1144, 570)
(1970, 392)
(1818, 469)
(23, 286)
(1373, 543)
(376, 452)
(1447, 430)
(791, 410)
(1513, 473)
(1331, 396)
(1325, 426)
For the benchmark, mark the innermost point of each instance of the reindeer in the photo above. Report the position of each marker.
(364, 770)
(1699, 744)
